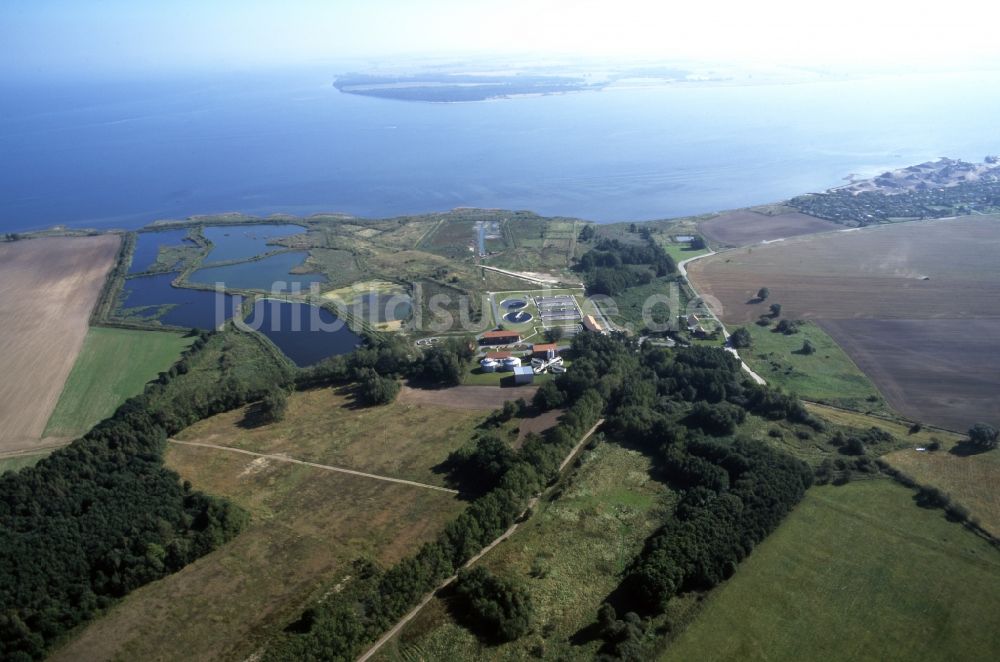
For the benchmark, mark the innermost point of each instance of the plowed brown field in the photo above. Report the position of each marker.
(745, 227)
(915, 305)
(47, 290)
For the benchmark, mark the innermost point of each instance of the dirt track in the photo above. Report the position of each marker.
(486, 398)
(48, 288)
(485, 550)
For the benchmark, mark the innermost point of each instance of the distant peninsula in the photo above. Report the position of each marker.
(456, 86)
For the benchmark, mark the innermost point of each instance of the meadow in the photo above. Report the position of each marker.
(112, 366)
(307, 523)
(325, 426)
(569, 555)
(970, 480)
(307, 526)
(855, 572)
(826, 375)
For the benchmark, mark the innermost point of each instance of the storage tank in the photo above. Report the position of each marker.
(488, 365)
(510, 363)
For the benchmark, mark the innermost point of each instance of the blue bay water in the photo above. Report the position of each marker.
(124, 154)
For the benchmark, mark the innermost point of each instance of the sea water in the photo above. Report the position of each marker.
(121, 154)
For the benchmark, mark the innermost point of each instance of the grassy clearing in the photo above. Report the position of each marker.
(679, 252)
(18, 462)
(307, 526)
(569, 555)
(630, 304)
(323, 426)
(855, 573)
(113, 365)
(971, 480)
(900, 428)
(828, 375)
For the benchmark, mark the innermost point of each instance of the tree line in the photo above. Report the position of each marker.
(375, 598)
(103, 516)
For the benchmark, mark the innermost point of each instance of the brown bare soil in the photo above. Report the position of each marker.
(307, 526)
(915, 305)
(942, 372)
(744, 227)
(538, 424)
(485, 398)
(870, 273)
(48, 288)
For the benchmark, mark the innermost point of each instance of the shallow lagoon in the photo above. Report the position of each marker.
(306, 334)
(147, 247)
(240, 242)
(182, 307)
(269, 275)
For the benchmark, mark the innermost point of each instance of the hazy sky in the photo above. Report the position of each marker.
(73, 36)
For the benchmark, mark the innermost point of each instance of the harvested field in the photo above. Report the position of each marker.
(745, 227)
(307, 526)
(936, 371)
(915, 305)
(48, 288)
(875, 273)
(484, 398)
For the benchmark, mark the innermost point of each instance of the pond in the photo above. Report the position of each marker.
(269, 275)
(147, 247)
(306, 334)
(154, 298)
(241, 242)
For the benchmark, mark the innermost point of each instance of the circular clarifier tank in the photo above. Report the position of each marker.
(518, 317)
(513, 304)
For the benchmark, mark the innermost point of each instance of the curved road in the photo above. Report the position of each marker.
(682, 269)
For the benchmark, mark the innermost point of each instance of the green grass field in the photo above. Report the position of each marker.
(857, 572)
(113, 365)
(680, 252)
(17, 462)
(569, 555)
(828, 375)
